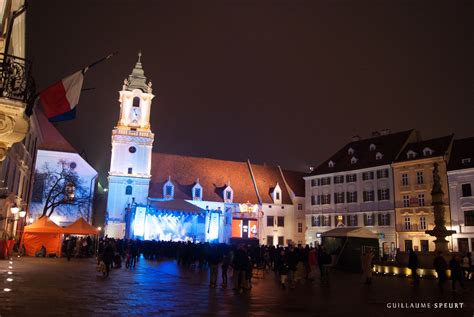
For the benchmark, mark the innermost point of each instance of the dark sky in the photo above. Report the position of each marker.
(281, 82)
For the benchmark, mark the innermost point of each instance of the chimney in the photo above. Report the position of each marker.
(375, 134)
(385, 132)
(355, 138)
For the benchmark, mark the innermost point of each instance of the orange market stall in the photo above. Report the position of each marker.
(82, 227)
(43, 232)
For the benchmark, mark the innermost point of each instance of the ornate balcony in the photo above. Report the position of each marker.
(16, 81)
(17, 96)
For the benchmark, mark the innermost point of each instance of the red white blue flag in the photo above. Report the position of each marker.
(60, 99)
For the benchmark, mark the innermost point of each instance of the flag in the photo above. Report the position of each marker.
(60, 99)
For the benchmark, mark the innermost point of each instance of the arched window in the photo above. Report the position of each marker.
(136, 102)
(128, 190)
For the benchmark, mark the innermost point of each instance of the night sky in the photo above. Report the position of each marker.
(280, 82)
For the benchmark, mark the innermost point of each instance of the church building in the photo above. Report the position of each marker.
(172, 197)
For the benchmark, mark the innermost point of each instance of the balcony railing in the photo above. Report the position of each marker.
(16, 80)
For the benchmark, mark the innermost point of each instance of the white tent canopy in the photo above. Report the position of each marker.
(355, 232)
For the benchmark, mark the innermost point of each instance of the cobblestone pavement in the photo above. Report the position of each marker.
(56, 287)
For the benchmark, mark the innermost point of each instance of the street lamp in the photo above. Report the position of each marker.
(14, 209)
(22, 214)
(70, 191)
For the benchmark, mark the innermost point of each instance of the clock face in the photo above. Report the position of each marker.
(135, 115)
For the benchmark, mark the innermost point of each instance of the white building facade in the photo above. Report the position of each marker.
(461, 189)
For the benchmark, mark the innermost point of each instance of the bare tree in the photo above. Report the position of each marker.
(61, 187)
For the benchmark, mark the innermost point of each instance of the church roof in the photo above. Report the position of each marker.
(137, 79)
(214, 176)
(53, 140)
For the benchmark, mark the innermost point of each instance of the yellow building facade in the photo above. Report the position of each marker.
(413, 182)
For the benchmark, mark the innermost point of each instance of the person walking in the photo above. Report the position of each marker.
(413, 266)
(466, 265)
(282, 268)
(225, 267)
(367, 258)
(213, 260)
(324, 261)
(108, 257)
(440, 267)
(456, 271)
(69, 248)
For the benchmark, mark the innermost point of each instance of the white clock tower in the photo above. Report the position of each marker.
(132, 141)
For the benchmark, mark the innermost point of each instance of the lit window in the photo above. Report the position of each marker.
(423, 223)
(407, 223)
(406, 201)
(421, 199)
(404, 179)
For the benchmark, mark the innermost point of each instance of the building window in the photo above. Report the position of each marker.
(300, 227)
(280, 221)
(130, 170)
(367, 176)
(421, 199)
(423, 223)
(326, 181)
(270, 221)
(132, 149)
(466, 190)
(354, 160)
(368, 195)
(169, 190)
(419, 178)
(382, 173)
(339, 198)
(427, 151)
(38, 187)
(404, 179)
(466, 161)
(372, 147)
(136, 102)
(128, 190)
(228, 195)
(300, 206)
(315, 182)
(369, 220)
(384, 220)
(338, 179)
(197, 192)
(383, 194)
(331, 164)
(326, 221)
(407, 223)
(424, 245)
(351, 178)
(350, 151)
(316, 221)
(378, 156)
(281, 240)
(269, 240)
(406, 201)
(352, 221)
(277, 196)
(313, 200)
(411, 154)
(326, 199)
(351, 197)
(469, 218)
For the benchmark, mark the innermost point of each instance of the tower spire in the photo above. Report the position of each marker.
(137, 79)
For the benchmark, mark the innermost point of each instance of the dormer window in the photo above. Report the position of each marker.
(354, 160)
(378, 156)
(228, 194)
(466, 161)
(331, 164)
(276, 194)
(427, 151)
(197, 191)
(168, 189)
(350, 151)
(372, 147)
(411, 154)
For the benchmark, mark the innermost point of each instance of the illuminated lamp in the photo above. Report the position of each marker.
(99, 228)
(14, 209)
(22, 214)
(31, 220)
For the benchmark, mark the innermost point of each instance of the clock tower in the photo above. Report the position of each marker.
(132, 142)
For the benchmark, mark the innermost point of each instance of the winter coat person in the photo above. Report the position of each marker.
(108, 257)
(440, 267)
(456, 271)
(367, 258)
(413, 266)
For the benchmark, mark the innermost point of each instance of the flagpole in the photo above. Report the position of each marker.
(103, 59)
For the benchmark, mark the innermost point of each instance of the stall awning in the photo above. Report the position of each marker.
(355, 232)
(80, 226)
(175, 205)
(44, 225)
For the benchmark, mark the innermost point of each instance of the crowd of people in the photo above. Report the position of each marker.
(291, 264)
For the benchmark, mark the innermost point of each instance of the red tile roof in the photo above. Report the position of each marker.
(53, 140)
(214, 176)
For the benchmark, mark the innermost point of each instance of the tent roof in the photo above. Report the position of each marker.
(80, 226)
(44, 225)
(355, 232)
